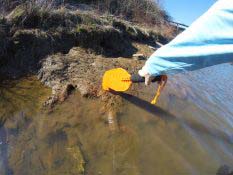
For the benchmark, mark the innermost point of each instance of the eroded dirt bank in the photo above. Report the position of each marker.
(29, 37)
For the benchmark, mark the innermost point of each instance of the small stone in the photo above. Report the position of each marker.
(159, 44)
(151, 47)
(139, 56)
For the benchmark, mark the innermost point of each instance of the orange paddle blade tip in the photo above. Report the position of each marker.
(117, 80)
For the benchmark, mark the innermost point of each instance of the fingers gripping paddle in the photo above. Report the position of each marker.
(120, 80)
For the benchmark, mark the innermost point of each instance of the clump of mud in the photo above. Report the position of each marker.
(80, 70)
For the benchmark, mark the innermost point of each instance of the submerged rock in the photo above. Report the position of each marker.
(224, 170)
(75, 152)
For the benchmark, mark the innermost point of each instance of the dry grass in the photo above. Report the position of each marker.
(8, 5)
(140, 11)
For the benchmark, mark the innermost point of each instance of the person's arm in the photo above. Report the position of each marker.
(207, 42)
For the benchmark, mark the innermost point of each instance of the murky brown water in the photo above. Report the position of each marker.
(189, 132)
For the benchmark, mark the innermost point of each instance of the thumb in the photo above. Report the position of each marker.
(147, 79)
(143, 73)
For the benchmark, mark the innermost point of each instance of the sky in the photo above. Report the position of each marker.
(186, 11)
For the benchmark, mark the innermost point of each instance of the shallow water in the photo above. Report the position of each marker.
(190, 131)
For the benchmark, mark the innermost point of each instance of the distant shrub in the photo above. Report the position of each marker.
(142, 11)
(8, 5)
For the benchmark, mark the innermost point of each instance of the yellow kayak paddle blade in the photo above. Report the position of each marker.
(120, 80)
(117, 80)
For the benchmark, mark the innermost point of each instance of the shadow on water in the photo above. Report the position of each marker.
(161, 113)
(155, 110)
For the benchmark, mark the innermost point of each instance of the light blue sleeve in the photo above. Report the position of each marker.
(207, 42)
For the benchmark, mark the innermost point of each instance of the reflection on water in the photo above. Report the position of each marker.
(19, 101)
(189, 132)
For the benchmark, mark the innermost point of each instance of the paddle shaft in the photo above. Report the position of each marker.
(138, 79)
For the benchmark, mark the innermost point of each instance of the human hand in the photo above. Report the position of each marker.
(144, 73)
